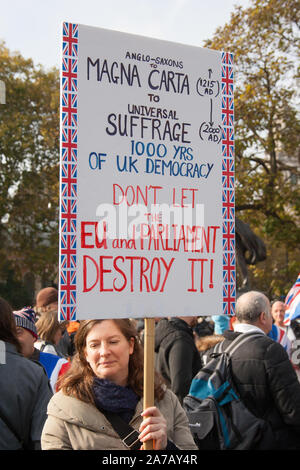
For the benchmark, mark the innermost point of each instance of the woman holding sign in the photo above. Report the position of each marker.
(104, 384)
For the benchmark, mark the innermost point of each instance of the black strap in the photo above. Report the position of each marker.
(129, 436)
(44, 344)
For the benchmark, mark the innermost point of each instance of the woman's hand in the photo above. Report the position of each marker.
(154, 426)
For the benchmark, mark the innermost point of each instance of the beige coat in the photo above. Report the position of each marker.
(73, 424)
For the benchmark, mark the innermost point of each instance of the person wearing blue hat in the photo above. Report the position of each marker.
(221, 323)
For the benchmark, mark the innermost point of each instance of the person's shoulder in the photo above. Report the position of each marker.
(68, 402)
(275, 348)
(170, 397)
(269, 350)
(33, 371)
(61, 404)
(75, 411)
(267, 342)
(30, 364)
(61, 397)
(51, 358)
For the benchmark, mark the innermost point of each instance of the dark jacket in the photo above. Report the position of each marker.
(24, 395)
(268, 386)
(177, 358)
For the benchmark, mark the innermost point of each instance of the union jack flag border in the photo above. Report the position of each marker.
(68, 173)
(228, 195)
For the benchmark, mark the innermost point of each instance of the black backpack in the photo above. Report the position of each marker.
(218, 418)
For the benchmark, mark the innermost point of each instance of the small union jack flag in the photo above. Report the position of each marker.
(68, 243)
(69, 103)
(229, 244)
(228, 142)
(68, 212)
(227, 181)
(68, 207)
(67, 312)
(228, 198)
(228, 173)
(227, 102)
(69, 142)
(69, 172)
(68, 260)
(70, 39)
(228, 166)
(227, 58)
(68, 285)
(69, 110)
(69, 100)
(228, 228)
(229, 295)
(227, 79)
(229, 267)
(228, 213)
(66, 83)
(68, 225)
(229, 236)
(69, 137)
(69, 155)
(68, 180)
(69, 70)
(69, 190)
(227, 111)
(227, 87)
(69, 118)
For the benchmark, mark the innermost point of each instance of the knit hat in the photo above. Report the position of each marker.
(26, 319)
(46, 296)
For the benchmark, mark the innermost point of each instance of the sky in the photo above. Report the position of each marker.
(33, 27)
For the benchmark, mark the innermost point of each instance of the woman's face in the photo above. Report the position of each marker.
(107, 352)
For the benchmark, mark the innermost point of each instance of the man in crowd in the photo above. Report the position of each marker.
(263, 373)
(177, 358)
(278, 313)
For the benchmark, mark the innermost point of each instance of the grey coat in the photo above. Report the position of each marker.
(24, 396)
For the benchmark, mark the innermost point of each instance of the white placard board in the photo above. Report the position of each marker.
(147, 177)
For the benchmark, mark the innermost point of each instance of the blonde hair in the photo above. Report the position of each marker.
(47, 326)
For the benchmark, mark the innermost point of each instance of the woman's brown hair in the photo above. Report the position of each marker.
(78, 380)
(8, 329)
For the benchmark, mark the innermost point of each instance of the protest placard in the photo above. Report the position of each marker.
(147, 223)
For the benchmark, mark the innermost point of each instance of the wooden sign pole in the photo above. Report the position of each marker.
(149, 335)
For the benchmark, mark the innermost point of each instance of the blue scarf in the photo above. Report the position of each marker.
(115, 398)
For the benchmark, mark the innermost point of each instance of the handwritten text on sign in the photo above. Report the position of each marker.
(148, 174)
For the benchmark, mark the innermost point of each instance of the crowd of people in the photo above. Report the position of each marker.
(79, 385)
